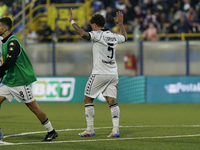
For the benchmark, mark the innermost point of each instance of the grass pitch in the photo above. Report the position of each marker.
(143, 127)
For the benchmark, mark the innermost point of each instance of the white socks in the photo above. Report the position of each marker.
(115, 113)
(47, 125)
(89, 114)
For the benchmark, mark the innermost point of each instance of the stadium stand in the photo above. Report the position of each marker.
(173, 19)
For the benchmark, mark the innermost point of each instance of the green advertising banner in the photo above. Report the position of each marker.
(59, 89)
(54, 89)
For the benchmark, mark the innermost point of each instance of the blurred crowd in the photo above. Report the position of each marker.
(151, 17)
(141, 17)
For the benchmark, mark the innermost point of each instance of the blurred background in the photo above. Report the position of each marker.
(159, 62)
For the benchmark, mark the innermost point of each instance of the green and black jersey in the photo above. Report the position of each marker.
(16, 66)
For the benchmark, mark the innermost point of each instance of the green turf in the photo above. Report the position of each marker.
(16, 118)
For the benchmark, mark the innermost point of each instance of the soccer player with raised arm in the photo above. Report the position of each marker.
(17, 73)
(104, 77)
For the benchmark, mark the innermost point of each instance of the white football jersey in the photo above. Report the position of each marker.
(103, 47)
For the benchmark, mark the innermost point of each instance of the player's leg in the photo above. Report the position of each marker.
(110, 94)
(89, 106)
(2, 98)
(1, 101)
(24, 94)
(115, 113)
(89, 114)
(35, 108)
(4, 94)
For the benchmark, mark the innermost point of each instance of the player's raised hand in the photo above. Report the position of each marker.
(119, 17)
(71, 15)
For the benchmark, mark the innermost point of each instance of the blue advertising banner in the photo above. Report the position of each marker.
(177, 89)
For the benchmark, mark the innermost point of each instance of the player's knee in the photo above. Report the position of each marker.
(111, 101)
(88, 100)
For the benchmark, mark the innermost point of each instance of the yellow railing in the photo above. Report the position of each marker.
(182, 36)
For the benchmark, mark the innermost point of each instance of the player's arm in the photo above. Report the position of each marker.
(119, 20)
(78, 29)
(12, 54)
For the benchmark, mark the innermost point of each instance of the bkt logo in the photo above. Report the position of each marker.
(51, 89)
(179, 87)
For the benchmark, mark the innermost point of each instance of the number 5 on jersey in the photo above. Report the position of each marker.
(110, 49)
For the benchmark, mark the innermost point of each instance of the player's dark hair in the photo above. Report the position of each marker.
(98, 19)
(7, 22)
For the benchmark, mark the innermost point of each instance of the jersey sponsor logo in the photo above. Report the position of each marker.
(109, 39)
(108, 62)
(54, 89)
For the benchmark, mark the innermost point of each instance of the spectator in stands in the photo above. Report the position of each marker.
(173, 5)
(15, 10)
(3, 7)
(192, 16)
(127, 16)
(198, 9)
(150, 33)
(169, 29)
(139, 17)
(31, 37)
(159, 8)
(110, 23)
(130, 4)
(87, 26)
(149, 16)
(107, 3)
(185, 5)
(101, 11)
(147, 4)
(43, 36)
(120, 5)
(182, 26)
(97, 4)
(68, 33)
(7, 14)
(193, 29)
(161, 28)
(57, 32)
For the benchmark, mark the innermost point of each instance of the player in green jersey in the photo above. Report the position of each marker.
(17, 74)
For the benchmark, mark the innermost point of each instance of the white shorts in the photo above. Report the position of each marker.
(102, 83)
(20, 93)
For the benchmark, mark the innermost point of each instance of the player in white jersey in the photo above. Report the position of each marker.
(104, 77)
